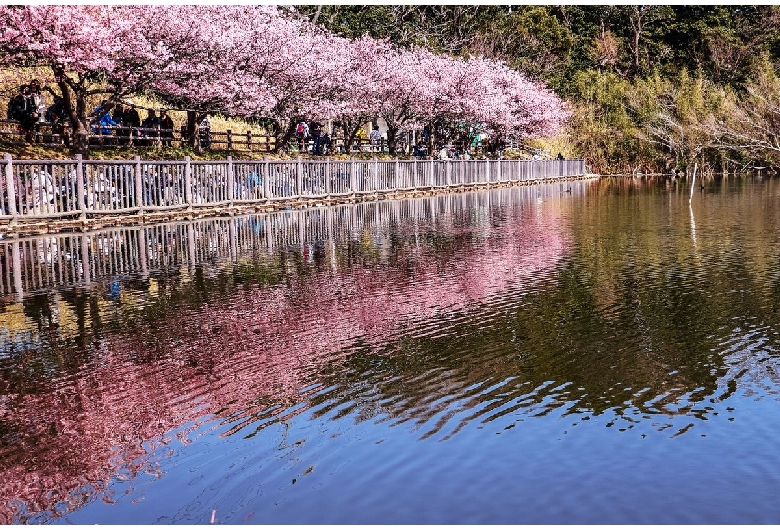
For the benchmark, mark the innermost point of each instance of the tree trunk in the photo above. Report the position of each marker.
(193, 129)
(283, 136)
(351, 128)
(349, 138)
(80, 139)
(431, 137)
(77, 115)
(74, 99)
(392, 132)
(635, 18)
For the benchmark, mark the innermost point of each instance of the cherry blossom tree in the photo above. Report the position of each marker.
(91, 51)
(397, 89)
(211, 73)
(354, 101)
(412, 88)
(508, 103)
(253, 62)
(199, 58)
(445, 107)
(305, 80)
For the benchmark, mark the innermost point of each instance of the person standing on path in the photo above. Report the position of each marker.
(302, 135)
(151, 124)
(38, 99)
(132, 119)
(316, 132)
(166, 128)
(375, 137)
(23, 109)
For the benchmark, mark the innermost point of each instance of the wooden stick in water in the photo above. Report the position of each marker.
(693, 182)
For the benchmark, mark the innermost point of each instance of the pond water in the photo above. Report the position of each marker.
(591, 352)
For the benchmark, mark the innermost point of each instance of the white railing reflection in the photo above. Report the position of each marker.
(39, 263)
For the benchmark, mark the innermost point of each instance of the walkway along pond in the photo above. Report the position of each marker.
(51, 195)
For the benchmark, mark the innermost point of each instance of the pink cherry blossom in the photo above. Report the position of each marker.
(254, 62)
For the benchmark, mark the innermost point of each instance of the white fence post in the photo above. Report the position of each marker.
(188, 182)
(231, 180)
(352, 176)
(80, 187)
(376, 174)
(139, 186)
(266, 179)
(298, 178)
(10, 186)
(327, 176)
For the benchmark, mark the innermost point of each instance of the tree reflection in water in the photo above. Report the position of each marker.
(140, 340)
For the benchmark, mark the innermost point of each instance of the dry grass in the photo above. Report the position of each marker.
(11, 78)
(558, 144)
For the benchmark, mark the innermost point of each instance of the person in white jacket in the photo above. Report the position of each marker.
(40, 103)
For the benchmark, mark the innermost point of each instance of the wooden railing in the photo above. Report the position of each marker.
(57, 135)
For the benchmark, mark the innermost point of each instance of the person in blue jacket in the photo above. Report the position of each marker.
(103, 120)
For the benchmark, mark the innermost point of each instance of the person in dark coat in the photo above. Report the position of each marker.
(132, 119)
(118, 115)
(316, 132)
(57, 116)
(56, 111)
(150, 124)
(166, 128)
(24, 109)
(127, 118)
(420, 151)
(325, 144)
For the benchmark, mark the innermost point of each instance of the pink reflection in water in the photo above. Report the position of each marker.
(234, 358)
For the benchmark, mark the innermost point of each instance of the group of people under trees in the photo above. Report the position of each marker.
(29, 109)
(124, 118)
(321, 142)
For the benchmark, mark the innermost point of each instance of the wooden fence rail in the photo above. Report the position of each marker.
(58, 135)
(58, 189)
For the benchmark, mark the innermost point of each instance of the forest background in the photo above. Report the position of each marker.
(653, 88)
